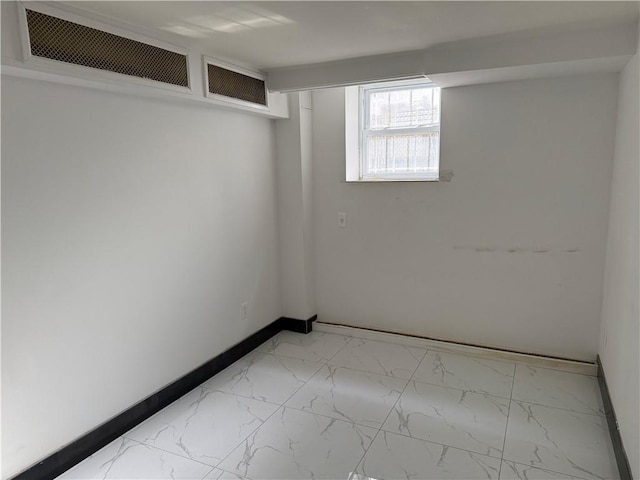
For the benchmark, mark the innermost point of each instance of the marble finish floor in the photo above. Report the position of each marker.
(326, 406)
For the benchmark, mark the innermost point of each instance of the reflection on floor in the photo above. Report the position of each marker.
(328, 406)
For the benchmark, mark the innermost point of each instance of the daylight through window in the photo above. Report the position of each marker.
(400, 131)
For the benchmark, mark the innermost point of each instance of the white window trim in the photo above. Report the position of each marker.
(356, 109)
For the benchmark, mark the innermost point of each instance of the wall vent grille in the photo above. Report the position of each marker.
(65, 41)
(229, 83)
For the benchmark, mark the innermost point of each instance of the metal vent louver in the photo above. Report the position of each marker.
(58, 39)
(228, 83)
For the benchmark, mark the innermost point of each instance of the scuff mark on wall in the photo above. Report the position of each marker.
(446, 175)
(536, 250)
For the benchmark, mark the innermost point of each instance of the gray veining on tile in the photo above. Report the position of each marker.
(471, 421)
(489, 353)
(559, 440)
(314, 346)
(350, 395)
(217, 474)
(128, 459)
(515, 471)
(554, 388)
(447, 422)
(393, 457)
(265, 377)
(379, 357)
(473, 374)
(205, 425)
(296, 445)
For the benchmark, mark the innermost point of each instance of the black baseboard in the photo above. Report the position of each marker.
(72, 454)
(618, 448)
(300, 326)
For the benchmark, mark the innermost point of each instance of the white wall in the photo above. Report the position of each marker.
(13, 60)
(293, 144)
(620, 335)
(132, 230)
(510, 253)
(306, 160)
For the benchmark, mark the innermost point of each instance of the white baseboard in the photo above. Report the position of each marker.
(572, 366)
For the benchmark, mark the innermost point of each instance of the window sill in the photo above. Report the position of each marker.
(394, 180)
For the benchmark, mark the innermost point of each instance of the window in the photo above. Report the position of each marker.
(399, 131)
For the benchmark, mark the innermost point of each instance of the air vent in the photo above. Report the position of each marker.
(65, 41)
(234, 84)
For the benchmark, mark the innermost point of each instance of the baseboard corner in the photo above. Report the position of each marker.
(297, 325)
(70, 455)
(624, 468)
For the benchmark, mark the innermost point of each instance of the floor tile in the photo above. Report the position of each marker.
(554, 388)
(393, 457)
(471, 421)
(314, 346)
(359, 397)
(309, 406)
(217, 474)
(296, 445)
(128, 459)
(205, 425)
(559, 440)
(515, 471)
(265, 377)
(473, 374)
(379, 357)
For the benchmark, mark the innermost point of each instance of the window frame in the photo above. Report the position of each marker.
(364, 133)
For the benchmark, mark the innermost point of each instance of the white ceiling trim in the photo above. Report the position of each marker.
(507, 57)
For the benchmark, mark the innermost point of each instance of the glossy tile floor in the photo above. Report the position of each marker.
(325, 406)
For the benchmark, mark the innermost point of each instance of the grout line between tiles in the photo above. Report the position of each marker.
(351, 422)
(166, 451)
(395, 433)
(205, 475)
(510, 397)
(506, 424)
(453, 350)
(330, 418)
(244, 396)
(475, 357)
(558, 408)
(546, 470)
(377, 373)
(385, 418)
(325, 362)
(436, 350)
(268, 351)
(441, 444)
(227, 471)
(365, 372)
(244, 440)
(281, 407)
(340, 349)
(481, 356)
(542, 367)
(468, 390)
